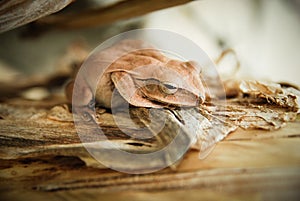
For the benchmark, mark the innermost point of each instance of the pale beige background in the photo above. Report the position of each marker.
(264, 33)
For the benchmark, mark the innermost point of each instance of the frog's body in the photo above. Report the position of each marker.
(142, 75)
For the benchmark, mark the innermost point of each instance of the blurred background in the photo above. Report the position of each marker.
(263, 33)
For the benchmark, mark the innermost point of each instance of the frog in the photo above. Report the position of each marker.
(141, 75)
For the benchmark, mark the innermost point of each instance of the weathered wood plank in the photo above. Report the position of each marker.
(236, 157)
(14, 13)
(256, 153)
(233, 182)
(42, 157)
(20, 12)
(101, 16)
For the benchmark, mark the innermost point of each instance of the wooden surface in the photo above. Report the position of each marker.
(14, 13)
(80, 14)
(247, 165)
(101, 16)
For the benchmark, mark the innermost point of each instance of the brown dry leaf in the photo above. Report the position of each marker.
(269, 106)
(273, 93)
(260, 105)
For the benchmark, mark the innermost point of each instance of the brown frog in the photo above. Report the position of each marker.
(141, 74)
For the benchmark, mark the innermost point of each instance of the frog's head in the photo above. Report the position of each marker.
(161, 83)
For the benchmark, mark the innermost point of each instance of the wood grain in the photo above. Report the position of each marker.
(14, 13)
(101, 16)
(20, 12)
(41, 157)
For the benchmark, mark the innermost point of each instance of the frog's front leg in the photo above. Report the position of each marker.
(81, 99)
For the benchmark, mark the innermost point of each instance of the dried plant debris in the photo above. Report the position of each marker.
(249, 113)
(210, 130)
(273, 93)
(257, 105)
(268, 105)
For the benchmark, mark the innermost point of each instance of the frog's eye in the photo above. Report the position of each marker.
(168, 88)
